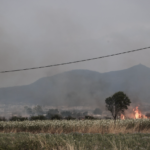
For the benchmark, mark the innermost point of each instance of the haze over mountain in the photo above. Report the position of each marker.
(82, 88)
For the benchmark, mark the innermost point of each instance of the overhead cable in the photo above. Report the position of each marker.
(73, 62)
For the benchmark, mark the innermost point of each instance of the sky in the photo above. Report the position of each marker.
(36, 33)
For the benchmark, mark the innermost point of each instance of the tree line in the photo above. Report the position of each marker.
(115, 104)
(37, 113)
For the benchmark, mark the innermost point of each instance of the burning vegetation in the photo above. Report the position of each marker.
(118, 103)
(137, 114)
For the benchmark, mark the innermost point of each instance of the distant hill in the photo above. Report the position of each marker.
(82, 87)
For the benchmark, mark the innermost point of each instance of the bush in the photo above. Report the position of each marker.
(2, 119)
(89, 117)
(70, 118)
(51, 112)
(40, 117)
(56, 117)
(148, 115)
(107, 117)
(18, 118)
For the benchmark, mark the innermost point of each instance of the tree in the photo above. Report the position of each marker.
(117, 104)
(52, 112)
(97, 111)
(18, 118)
(28, 110)
(56, 117)
(66, 113)
(76, 113)
(89, 117)
(40, 117)
(148, 115)
(38, 110)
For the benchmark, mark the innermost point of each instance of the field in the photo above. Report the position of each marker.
(75, 135)
(79, 126)
(76, 141)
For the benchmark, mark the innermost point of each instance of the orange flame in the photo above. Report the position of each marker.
(122, 117)
(138, 114)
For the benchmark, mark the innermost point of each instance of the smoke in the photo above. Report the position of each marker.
(36, 37)
(35, 33)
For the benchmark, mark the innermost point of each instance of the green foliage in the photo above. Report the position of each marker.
(117, 104)
(40, 117)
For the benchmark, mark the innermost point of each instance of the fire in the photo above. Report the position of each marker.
(138, 114)
(122, 116)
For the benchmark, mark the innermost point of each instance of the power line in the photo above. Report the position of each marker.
(73, 62)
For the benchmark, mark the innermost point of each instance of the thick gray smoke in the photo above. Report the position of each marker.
(37, 33)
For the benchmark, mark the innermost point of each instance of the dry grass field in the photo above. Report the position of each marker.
(75, 135)
(79, 126)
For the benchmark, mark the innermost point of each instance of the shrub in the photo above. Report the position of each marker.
(89, 117)
(148, 115)
(18, 118)
(2, 119)
(56, 117)
(107, 117)
(51, 112)
(70, 118)
(40, 117)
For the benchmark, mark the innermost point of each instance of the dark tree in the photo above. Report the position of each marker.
(66, 113)
(2, 119)
(89, 117)
(56, 117)
(148, 115)
(70, 118)
(40, 117)
(18, 118)
(52, 112)
(117, 104)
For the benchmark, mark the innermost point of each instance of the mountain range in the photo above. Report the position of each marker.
(82, 88)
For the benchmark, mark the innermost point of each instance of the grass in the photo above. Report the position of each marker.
(75, 135)
(74, 141)
(86, 126)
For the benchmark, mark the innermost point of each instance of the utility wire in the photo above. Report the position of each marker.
(73, 62)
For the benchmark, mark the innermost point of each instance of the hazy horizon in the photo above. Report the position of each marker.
(36, 33)
(75, 70)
